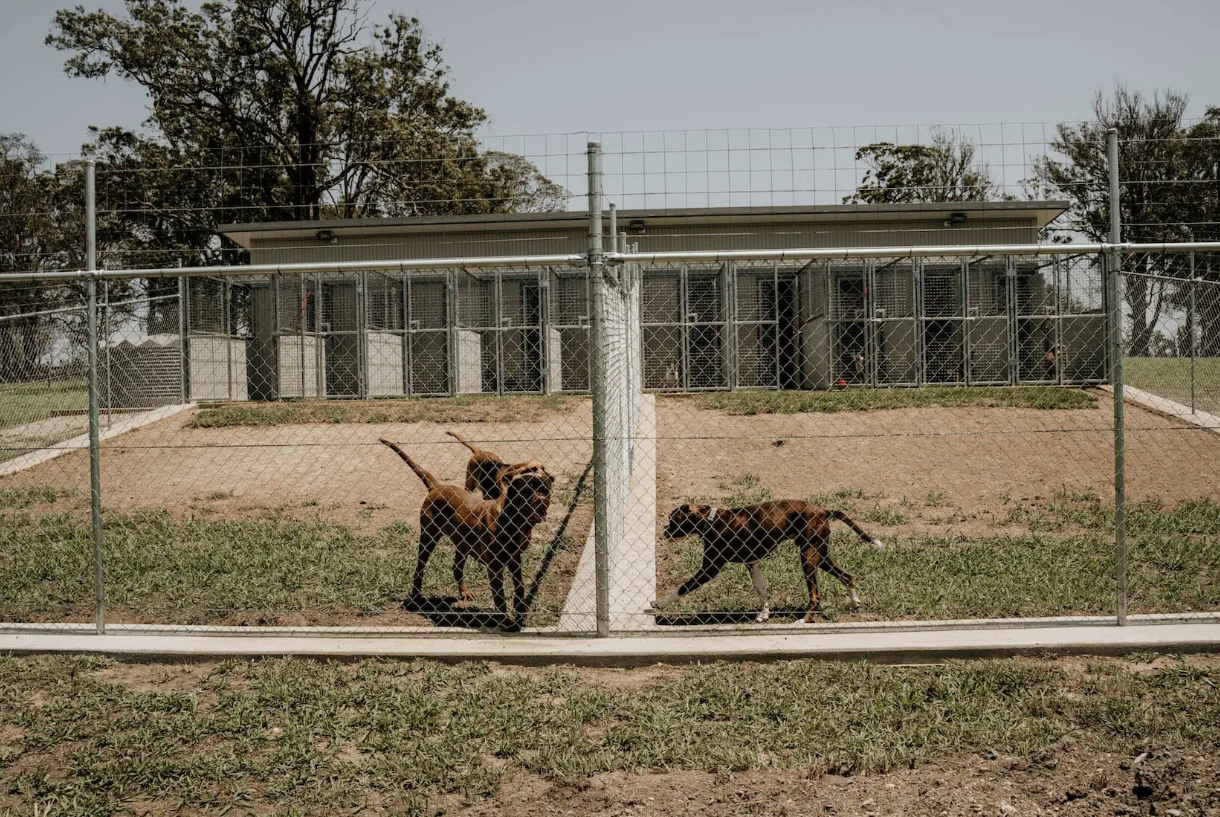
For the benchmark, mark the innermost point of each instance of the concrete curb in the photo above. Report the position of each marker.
(81, 442)
(888, 648)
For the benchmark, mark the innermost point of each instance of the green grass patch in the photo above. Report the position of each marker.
(201, 570)
(90, 736)
(1169, 377)
(798, 402)
(26, 496)
(464, 409)
(22, 403)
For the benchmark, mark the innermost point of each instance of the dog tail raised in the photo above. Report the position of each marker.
(847, 520)
(428, 480)
(474, 449)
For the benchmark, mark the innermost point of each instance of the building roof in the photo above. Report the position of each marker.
(1043, 212)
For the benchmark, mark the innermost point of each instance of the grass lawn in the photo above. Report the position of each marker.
(22, 403)
(853, 399)
(1169, 377)
(195, 569)
(92, 736)
(291, 565)
(471, 408)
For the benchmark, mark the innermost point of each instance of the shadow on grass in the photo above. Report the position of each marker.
(742, 617)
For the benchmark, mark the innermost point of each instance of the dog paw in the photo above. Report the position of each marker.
(877, 543)
(855, 601)
(763, 616)
(510, 625)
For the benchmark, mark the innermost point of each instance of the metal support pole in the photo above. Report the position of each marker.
(601, 407)
(95, 467)
(1194, 344)
(184, 306)
(1114, 298)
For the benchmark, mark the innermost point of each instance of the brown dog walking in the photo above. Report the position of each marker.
(494, 531)
(747, 535)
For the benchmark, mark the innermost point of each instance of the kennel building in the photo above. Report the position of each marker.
(1001, 320)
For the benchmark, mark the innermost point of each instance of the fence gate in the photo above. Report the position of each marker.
(518, 338)
(385, 339)
(987, 328)
(429, 365)
(341, 322)
(765, 346)
(567, 334)
(891, 301)
(942, 324)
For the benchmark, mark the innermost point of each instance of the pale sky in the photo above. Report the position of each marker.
(671, 68)
(561, 66)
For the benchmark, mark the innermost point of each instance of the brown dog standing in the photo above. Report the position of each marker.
(485, 470)
(747, 535)
(494, 531)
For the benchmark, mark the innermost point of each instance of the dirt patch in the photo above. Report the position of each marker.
(975, 459)
(1065, 779)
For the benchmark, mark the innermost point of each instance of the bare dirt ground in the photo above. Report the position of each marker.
(1064, 779)
(976, 459)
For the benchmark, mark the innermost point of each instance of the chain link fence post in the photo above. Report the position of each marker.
(91, 342)
(601, 484)
(1192, 318)
(1114, 305)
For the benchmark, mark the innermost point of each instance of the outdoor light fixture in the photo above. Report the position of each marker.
(636, 225)
(327, 236)
(956, 219)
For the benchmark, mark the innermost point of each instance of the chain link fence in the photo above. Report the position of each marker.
(619, 442)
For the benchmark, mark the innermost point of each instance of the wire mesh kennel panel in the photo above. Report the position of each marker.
(568, 351)
(891, 299)
(1083, 320)
(705, 303)
(216, 355)
(756, 327)
(299, 354)
(1037, 324)
(474, 334)
(429, 372)
(850, 340)
(385, 339)
(661, 329)
(814, 328)
(341, 321)
(988, 338)
(519, 348)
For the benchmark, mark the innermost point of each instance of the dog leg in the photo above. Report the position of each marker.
(845, 577)
(459, 574)
(428, 537)
(707, 572)
(810, 558)
(495, 576)
(518, 576)
(760, 587)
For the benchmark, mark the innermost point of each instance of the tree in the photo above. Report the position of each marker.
(1156, 162)
(944, 170)
(41, 229)
(286, 110)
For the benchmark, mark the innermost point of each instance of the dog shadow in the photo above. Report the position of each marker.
(440, 611)
(778, 615)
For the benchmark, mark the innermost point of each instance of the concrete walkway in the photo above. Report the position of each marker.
(1169, 408)
(128, 423)
(880, 647)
